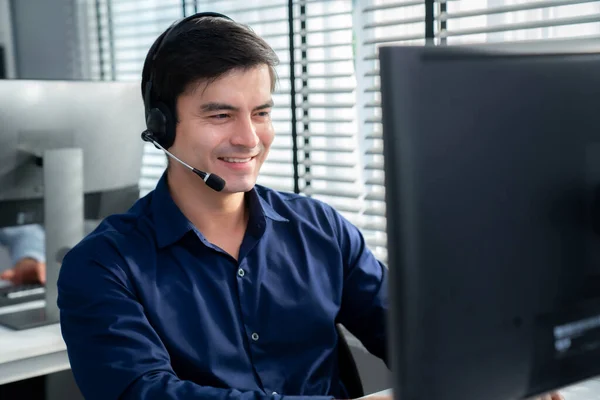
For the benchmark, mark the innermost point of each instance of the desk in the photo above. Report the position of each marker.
(387, 392)
(32, 352)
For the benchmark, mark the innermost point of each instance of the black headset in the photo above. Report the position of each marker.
(160, 118)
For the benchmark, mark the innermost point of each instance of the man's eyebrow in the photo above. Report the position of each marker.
(211, 107)
(214, 106)
(268, 104)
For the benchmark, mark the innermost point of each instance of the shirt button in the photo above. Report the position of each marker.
(255, 336)
(241, 273)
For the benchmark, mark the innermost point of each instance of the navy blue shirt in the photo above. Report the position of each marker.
(151, 310)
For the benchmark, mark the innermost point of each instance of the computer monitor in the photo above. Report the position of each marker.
(68, 149)
(492, 170)
(99, 117)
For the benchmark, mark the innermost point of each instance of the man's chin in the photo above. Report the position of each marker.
(233, 185)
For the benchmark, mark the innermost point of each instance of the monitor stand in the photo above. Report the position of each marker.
(64, 227)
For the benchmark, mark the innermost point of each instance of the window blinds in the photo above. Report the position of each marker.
(379, 23)
(325, 102)
(476, 21)
(382, 22)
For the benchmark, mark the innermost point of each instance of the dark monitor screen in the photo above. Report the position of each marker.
(492, 163)
(2, 63)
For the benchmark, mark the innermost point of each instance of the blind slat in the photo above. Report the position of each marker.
(522, 25)
(325, 15)
(510, 8)
(396, 4)
(329, 178)
(309, 106)
(375, 181)
(333, 150)
(327, 91)
(389, 39)
(333, 164)
(308, 32)
(352, 194)
(332, 135)
(395, 22)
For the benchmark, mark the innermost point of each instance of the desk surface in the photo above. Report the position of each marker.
(32, 352)
(387, 392)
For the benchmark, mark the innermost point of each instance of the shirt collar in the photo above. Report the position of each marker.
(262, 206)
(171, 225)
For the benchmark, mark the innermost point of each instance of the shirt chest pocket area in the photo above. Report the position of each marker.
(300, 305)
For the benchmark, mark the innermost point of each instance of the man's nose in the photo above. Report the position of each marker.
(245, 134)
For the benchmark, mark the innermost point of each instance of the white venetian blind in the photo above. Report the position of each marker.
(379, 22)
(488, 21)
(382, 22)
(325, 85)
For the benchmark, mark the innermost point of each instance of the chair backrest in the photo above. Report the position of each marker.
(348, 370)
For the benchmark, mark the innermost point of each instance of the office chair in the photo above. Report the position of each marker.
(348, 371)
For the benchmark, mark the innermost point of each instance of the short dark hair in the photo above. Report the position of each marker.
(203, 49)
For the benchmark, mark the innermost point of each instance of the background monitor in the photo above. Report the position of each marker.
(68, 150)
(492, 163)
(104, 119)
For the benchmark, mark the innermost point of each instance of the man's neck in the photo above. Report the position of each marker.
(209, 211)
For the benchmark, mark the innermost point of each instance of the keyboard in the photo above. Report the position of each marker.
(17, 294)
(588, 390)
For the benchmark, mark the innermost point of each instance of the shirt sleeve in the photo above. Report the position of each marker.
(114, 351)
(364, 297)
(24, 241)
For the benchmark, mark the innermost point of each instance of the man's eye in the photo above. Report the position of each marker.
(264, 114)
(220, 116)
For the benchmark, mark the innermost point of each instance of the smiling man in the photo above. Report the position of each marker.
(198, 293)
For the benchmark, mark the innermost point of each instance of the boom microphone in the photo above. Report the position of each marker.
(213, 181)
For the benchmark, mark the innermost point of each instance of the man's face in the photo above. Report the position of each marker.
(225, 127)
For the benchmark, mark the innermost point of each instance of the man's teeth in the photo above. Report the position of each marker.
(236, 160)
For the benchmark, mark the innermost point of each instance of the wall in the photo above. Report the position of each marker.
(6, 39)
(45, 39)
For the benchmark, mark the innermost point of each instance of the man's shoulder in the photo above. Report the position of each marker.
(117, 233)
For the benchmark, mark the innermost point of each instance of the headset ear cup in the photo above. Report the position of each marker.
(156, 123)
(161, 124)
(168, 127)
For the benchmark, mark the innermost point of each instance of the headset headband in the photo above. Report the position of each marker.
(163, 41)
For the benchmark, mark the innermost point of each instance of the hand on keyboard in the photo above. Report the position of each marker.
(552, 396)
(27, 270)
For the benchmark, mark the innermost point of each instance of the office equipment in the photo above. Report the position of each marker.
(2, 63)
(17, 294)
(68, 149)
(348, 370)
(492, 162)
(387, 392)
(29, 353)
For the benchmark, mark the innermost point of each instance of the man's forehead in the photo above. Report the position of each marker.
(203, 85)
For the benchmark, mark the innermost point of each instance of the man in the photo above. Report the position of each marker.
(25, 244)
(203, 294)
(199, 294)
